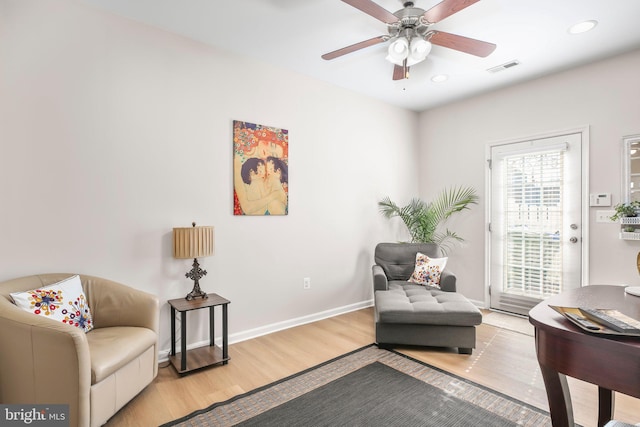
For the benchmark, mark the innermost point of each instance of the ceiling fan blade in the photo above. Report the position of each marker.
(400, 72)
(463, 44)
(372, 9)
(446, 8)
(354, 47)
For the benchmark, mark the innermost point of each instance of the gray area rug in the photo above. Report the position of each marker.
(370, 387)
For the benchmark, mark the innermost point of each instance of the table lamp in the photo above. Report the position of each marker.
(193, 242)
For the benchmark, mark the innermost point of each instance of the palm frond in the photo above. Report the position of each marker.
(388, 208)
(423, 219)
(454, 200)
(447, 240)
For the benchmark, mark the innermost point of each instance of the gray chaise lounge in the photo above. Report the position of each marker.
(410, 314)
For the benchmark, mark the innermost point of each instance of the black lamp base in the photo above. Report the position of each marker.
(196, 274)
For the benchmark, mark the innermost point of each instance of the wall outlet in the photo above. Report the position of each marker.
(306, 283)
(605, 216)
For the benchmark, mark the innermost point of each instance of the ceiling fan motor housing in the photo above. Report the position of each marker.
(410, 20)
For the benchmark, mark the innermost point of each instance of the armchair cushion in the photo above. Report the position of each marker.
(428, 270)
(63, 301)
(112, 348)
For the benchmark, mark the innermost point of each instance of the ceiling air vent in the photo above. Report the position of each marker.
(504, 66)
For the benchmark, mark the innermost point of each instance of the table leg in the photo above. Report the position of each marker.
(559, 397)
(183, 341)
(173, 331)
(225, 333)
(211, 327)
(606, 403)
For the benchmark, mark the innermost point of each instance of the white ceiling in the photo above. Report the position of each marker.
(294, 33)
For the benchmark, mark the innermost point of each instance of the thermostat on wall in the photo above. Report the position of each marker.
(600, 199)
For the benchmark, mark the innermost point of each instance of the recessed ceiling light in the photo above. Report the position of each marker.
(439, 78)
(582, 27)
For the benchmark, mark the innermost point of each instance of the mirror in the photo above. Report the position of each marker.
(631, 176)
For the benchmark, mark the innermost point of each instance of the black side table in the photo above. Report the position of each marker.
(201, 356)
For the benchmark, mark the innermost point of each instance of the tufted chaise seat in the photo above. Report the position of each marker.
(410, 314)
(420, 305)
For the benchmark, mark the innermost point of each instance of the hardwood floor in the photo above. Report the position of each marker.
(503, 360)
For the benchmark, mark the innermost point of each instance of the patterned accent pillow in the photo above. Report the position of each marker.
(428, 270)
(63, 301)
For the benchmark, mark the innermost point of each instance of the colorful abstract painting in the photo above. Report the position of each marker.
(260, 169)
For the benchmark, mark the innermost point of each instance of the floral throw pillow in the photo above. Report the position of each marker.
(63, 301)
(428, 270)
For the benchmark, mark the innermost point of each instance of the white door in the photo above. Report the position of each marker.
(535, 220)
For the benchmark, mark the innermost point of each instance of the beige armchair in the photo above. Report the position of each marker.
(44, 361)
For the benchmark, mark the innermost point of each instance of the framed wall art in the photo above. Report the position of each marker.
(260, 169)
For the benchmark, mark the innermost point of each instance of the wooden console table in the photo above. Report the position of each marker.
(197, 358)
(564, 349)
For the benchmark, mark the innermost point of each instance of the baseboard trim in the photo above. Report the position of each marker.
(479, 304)
(163, 355)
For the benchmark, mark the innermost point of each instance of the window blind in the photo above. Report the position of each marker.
(533, 223)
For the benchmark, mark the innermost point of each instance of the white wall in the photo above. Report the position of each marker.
(604, 96)
(112, 133)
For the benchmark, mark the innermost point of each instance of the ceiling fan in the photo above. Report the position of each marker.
(410, 35)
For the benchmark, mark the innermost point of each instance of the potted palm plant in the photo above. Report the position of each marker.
(425, 220)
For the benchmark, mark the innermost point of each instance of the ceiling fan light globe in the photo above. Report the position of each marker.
(398, 51)
(413, 61)
(420, 48)
(400, 46)
(394, 60)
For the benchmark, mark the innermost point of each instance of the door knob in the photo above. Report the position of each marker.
(573, 240)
